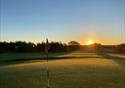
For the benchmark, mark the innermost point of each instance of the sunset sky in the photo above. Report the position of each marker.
(101, 21)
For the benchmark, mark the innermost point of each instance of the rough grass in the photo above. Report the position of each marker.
(93, 71)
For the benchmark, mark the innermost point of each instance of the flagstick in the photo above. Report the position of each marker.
(48, 76)
(47, 68)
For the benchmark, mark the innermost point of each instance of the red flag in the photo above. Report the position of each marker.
(47, 47)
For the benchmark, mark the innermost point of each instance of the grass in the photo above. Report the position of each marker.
(15, 56)
(79, 70)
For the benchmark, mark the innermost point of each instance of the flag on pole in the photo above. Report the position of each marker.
(47, 47)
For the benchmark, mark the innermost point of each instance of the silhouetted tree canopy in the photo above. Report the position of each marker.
(121, 48)
(97, 47)
(74, 43)
(22, 46)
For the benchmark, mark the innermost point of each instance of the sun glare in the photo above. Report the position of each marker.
(90, 42)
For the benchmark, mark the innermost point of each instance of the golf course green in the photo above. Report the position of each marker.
(69, 70)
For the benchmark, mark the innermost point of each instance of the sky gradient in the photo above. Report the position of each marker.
(102, 21)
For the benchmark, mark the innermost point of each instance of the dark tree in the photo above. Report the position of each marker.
(74, 45)
(121, 48)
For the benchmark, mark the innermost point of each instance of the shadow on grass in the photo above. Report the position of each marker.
(52, 56)
(18, 60)
(59, 56)
(117, 59)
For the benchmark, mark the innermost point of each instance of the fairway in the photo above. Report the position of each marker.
(79, 70)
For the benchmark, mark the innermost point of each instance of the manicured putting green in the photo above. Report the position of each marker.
(91, 71)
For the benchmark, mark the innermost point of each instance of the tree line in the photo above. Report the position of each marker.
(22, 46)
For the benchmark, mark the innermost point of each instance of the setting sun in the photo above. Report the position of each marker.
(90, 42)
